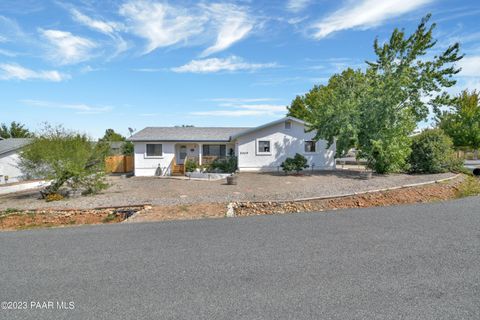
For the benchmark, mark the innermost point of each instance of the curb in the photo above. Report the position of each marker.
(230, 205)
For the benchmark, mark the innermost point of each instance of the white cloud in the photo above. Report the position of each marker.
(164, 25)
(297, 5)
(470, 66)
(233, 24)
(109, 28)
(232, 63)
(65, 48)
(160, 24)
(106, 27)
(364, 14)
(80, 108)
(17, 72)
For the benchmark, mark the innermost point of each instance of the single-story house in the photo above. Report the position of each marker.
(164, 150)
(9, 157)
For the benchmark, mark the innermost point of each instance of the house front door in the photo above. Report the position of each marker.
(182, 154)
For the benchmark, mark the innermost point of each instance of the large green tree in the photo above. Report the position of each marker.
(332, 110)
(401, 83)
(462, 120)
(110, 135)
(14, 130)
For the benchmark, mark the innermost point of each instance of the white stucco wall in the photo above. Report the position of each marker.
(283, 143)
(8, 167)
(145, 166)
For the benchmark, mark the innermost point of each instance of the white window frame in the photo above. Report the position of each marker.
(305, 145)
(257, 145)
(146, 156)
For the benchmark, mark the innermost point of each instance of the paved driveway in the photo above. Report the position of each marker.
(411, 262)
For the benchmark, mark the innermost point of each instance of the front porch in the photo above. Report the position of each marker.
(202, 154)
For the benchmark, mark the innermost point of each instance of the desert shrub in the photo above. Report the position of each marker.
(65, 157)
(432, 152)
(297, 164)
(190, 165)
(227, 165)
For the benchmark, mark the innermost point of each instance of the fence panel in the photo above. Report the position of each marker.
(119, 164)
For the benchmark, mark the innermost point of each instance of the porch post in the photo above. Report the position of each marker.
(200, 147)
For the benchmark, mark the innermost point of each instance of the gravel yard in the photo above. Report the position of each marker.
(251, 187)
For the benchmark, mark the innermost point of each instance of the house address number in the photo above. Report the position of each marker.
(245, 152)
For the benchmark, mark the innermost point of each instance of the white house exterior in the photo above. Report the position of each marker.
(9, 157)
(159, 150)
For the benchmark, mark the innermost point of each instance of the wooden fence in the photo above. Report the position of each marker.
(119, 164)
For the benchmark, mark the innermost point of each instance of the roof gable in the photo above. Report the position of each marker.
(266, 125)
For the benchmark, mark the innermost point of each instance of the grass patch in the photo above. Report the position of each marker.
(183, 208)
(469, 187)
(10, 211)
(109, 218)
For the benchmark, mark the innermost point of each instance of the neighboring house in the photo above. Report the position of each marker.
(163, 150)
(9, 157)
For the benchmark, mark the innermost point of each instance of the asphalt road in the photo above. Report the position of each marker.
(410, 262)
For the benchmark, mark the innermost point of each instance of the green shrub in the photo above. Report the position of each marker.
(297, 164)
(227, 165)
(432, 152)
(190, 165)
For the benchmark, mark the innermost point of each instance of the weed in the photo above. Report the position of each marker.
(10, 211)
(469, 187)
(109, 218)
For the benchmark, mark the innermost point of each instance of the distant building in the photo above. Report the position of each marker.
(9, 158)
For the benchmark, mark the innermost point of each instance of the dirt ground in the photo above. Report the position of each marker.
(22, 220)
(427, 193)
(251, 187)
(13, 219)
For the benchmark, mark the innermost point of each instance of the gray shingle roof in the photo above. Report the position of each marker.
(186, 134)
(13, 144)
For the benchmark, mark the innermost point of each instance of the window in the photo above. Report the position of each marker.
(154, 150)
(263, 146)
(218, 150)
(288, 125)
(310, 146)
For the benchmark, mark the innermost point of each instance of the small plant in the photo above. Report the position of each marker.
(297, 164)
(53, 197)
(469, 187)
(109, 218)
(227, 165)
(190, 165)
(11, 210)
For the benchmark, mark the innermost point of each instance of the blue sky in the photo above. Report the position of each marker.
(92, 65)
